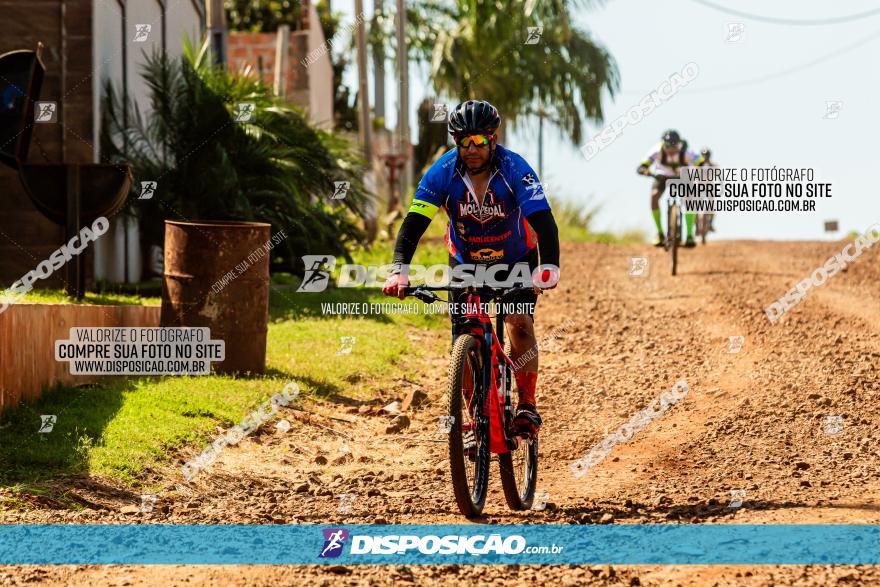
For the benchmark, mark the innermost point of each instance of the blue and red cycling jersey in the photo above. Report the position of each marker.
(492, 231)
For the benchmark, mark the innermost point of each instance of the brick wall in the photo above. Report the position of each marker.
(250, 49)
(29, 332)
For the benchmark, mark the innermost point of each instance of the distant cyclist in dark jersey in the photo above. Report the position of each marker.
(492, 197)
(662, 162)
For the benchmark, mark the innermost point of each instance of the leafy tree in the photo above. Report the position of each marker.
(476, 49)
(263, 16)
(274, 168)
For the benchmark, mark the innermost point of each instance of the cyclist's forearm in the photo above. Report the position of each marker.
(548, 236)
(411, 231)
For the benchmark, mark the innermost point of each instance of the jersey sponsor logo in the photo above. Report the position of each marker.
(487, 255)
(482, 213)
(489, 238)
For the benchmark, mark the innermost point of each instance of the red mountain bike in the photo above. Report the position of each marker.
(479, 410)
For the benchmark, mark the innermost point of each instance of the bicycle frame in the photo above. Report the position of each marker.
(500, 414)
(487, 410)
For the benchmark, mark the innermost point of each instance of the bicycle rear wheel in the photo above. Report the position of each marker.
(469, 432)
(674, 236)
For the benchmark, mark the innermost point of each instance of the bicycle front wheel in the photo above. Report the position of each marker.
(468, 430)
(519, 474)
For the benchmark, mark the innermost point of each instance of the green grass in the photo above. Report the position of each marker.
(57, 296)
(125, 427)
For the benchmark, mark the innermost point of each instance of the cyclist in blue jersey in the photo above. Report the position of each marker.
(493, 200)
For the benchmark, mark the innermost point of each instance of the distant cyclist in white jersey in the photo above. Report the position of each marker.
(664, 161)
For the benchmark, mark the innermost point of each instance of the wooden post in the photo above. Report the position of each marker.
(75, 278)
(216, 17)
(282, 60)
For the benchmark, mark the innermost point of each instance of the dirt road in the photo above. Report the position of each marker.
(762, 421)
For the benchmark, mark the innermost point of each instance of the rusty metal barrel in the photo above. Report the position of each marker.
(217, 275)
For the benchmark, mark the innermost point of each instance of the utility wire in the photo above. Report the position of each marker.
(785, 72)
(774, 75)
(790, 21)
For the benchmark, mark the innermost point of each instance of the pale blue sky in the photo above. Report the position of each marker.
(769, 109)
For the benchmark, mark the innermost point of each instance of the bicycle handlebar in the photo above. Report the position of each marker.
(427, 295)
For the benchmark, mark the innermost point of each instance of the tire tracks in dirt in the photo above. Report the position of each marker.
(752, 420)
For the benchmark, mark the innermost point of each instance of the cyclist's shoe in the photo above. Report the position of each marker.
(469, 441)
(527, 420)
(690, 242)
(661, 241)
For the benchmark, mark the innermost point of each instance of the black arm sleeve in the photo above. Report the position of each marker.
(548, 236)
(411, 231)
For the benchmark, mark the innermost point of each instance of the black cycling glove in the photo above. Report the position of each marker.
(548, 236)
